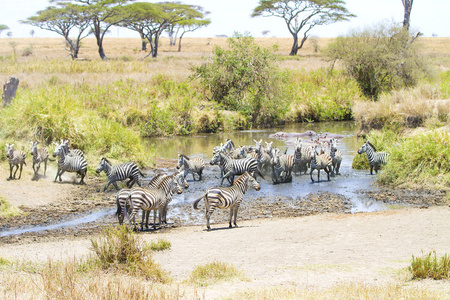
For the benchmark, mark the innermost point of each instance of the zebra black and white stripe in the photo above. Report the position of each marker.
(262, 157)
(227, 197)
(193, 165)
(16, 159)
(336, 156)
(120, 172)
(282, 165)
(376, 159)
(39, 155)
(69, 163)
(319, 162)
(232, 167)
(152, 199)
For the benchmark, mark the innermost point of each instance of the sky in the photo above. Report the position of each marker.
(228, 16)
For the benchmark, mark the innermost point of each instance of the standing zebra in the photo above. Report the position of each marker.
(39, 155)
(69, 163)
(321, 161)
(16, 159)
(336, 156)
(227, 197)
(120, 172)
(191, 165)
(376, 159)
(152, 199)
(262, 157)
(232, 167)
(282, 166)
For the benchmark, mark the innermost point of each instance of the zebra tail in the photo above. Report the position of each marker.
(198, 200)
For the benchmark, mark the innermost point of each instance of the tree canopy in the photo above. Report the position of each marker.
(303, 15)
(3, 27)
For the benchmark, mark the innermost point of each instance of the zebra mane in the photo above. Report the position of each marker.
(156, 178)
(185, 157)
(107, 160)
(165, 179)
(246, 174)
(373, 147)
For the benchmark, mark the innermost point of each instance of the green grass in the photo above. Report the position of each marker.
(7, 210)
(159, 245)
(212, 273)
(430, 266)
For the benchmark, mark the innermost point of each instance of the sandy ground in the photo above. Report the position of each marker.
(319, 250)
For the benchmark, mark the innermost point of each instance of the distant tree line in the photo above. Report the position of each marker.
(77, 19)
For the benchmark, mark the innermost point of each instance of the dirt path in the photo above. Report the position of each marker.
(320, 250)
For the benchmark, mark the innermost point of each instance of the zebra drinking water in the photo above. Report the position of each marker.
(39, 155)
(227, 197)
(376, 159)
(16, 159)
(191, 165)
(69, 163)
(120, 172)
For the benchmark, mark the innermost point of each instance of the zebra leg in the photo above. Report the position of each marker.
(311, 174)
(318, 175)
(15, 172)
(10, 171)
(45, 167)
(371, 169)
(115, 185)
(83, 174)
(231, 216)
(200, 175)
(208, 216)
(235, 211)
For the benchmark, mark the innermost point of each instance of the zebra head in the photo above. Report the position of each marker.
(252, 183)
(216, 159)
(58, 150)
(364, 147)
(181, 180)
(9, 150)
(269, 147)
(181, 159)
(103, 165)
(33, 147)
(174, 186)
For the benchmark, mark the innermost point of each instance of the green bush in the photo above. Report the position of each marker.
(380, 58)
(244, 78)
(212, 273)
(430, 266)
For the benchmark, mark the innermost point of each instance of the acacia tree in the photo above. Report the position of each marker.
(3, 27)
(151, 19)
(189, 26)
(102, 14)
(63, 19)
(303, 15)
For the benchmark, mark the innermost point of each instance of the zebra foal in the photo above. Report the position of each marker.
(16, 159)
(120, 172)
(227, 197)
(69, 163)
(376, 159)
(39, 155)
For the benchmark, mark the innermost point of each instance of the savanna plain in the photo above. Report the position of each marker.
(326, 255)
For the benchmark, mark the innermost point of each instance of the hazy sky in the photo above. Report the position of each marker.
(228, 16)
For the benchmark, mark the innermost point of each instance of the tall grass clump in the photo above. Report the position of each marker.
(212, 273)
(51, 113)
(321, 95)
(420, 160)
(380, 58)
(118, 248)
(244, 78)
(430, 266)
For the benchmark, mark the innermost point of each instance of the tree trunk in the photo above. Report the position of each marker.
(144, 42)
(9, 90)
(294, 45)
(101, 52)
(407, 5)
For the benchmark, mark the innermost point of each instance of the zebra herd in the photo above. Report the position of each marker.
(246, 162)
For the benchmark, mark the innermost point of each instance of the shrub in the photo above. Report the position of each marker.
(244, 78)
(159, 245)
(120, 248)
(7, 210)
(28, 51)
(430, 266)
(212, 273)
(380, 59)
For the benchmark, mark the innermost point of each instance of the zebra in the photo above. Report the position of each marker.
(191, 165)
(262, 157)
(297, 154)
(16, 159)
(232, 167)
(152, 199)
(119, 173)
(376, 159)
(39, 155)
(336, 156)
(282, 166)
(227, 197)
(69, 163)
(321, 161)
